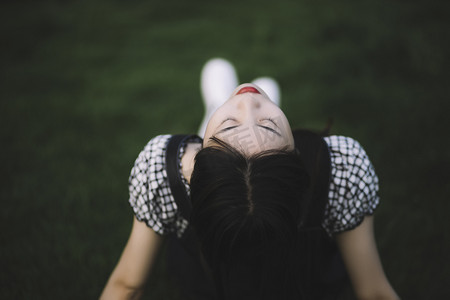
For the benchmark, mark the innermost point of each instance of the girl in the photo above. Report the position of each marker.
(253, 210)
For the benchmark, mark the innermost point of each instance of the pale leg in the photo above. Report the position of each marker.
(271, 87)
(218, 81)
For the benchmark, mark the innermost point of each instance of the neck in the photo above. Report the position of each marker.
(187, 161)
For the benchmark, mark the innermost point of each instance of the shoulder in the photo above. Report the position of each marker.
(150, 193)
(150, 161)
(347, 154)
(148, 189)
(343, 145)
(353, 191)
(155, 146)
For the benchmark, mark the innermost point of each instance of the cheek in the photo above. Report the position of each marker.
(216, 119)
(286, 126)
(289, 137)
(210, 126)
(286, 130)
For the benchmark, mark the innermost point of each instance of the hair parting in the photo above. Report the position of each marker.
(245, 215)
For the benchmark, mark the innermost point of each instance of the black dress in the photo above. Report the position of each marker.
(350, 195)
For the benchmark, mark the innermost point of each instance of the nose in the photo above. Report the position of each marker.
(248, 107)
(248, 102)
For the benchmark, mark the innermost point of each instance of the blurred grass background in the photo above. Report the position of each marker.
(85, 84)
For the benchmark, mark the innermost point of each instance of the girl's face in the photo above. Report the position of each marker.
(249, 121)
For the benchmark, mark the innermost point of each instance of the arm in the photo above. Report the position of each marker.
(129, 277)
(363, 264)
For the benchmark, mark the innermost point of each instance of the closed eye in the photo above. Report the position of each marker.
(259, 125)
(227, 128)
(228, 119)
(270, 129)
(271, 121)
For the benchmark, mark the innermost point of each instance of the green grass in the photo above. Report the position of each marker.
(85, 84)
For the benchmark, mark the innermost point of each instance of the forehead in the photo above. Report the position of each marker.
(251, 139)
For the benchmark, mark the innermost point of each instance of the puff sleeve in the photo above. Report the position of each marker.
(353, 192)
(149, 191)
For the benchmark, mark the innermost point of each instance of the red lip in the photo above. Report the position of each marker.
(248, 89)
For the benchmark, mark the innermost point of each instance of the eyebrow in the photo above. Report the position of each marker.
(270, 129)
(261, 126)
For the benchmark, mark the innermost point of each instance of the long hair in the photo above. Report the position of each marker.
(246, 211)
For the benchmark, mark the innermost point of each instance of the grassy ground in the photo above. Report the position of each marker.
(84, 85)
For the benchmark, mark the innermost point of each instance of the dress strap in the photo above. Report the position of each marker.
(173, 173)
(315, 155)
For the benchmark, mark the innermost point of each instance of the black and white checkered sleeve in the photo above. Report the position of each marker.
(353, 190)
(150, 195)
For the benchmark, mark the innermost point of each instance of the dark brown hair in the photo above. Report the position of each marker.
(246, 211)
